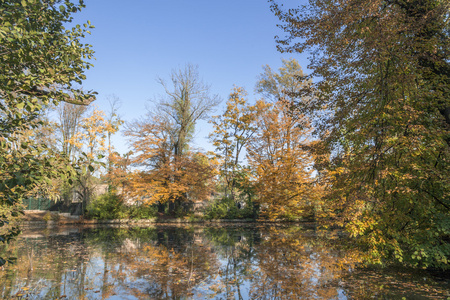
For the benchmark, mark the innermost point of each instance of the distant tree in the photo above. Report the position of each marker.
(284, 84)
(383, 104)
(171, 172)
(41, 63)
(68, 122)
(66, 126)
(119, 171)
(163, 178)
(91, 141)
(114, 121)
(187, 101)
(232, 131)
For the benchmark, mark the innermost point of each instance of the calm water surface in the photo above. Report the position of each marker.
(233, 262)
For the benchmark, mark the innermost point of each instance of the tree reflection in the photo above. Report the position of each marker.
(172, 265)
(298, 264)
(190, 263)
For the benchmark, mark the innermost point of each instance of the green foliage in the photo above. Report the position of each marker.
(110, 206)
(106, 207)
(227, 208)
(41, 61)
(143, 211)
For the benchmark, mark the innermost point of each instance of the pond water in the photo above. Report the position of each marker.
(232, 262)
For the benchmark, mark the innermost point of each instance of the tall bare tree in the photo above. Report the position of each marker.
(69, 118)
(187, 100)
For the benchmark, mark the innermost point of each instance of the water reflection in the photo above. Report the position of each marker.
(198, 263)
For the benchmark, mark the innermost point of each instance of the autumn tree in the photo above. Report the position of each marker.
(169, 172)
(41, 61)
(162, 177)
(91, 142)
(119, 170)
(281, 164)
(232, 131)
(114, 122)
(279, 152)
(382, 97)
(285, 84)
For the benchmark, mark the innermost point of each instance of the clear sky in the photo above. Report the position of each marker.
(138, 40)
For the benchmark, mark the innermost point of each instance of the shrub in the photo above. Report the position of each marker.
(226, 208)
(107, 206)
(142, 211)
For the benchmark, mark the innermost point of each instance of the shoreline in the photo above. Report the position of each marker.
(155, 221)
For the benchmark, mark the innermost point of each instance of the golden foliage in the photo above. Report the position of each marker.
(282, 165)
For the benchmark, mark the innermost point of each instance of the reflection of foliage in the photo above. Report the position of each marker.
(297, 262)
(177, 263)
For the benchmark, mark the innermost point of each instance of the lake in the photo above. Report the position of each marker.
(237, 261)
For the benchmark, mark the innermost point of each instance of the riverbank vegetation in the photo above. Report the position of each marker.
(362, 143)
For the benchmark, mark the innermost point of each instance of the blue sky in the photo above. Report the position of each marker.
(138, 40)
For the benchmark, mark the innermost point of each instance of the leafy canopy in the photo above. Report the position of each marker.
(382, 106)
(42, 62)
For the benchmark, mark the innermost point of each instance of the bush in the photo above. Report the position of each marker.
(110, 206)
(226, 208)
(142, 211)
(107, 206)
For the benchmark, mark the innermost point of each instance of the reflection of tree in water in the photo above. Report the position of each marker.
(297, 264)
(235, 247)
(277, 263)
(169, 266)
(178, 263)
(43, 261)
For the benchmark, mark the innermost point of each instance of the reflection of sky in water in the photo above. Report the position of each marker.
(176, 263)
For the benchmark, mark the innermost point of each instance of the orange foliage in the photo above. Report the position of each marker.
(282, 165)
(163, 176)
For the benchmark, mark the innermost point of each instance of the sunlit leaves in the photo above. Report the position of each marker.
(232, 132)
(381, 105)
(282, 166)
(163, 176)
(41, 62)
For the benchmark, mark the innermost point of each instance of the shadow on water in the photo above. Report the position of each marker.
(231, 262)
